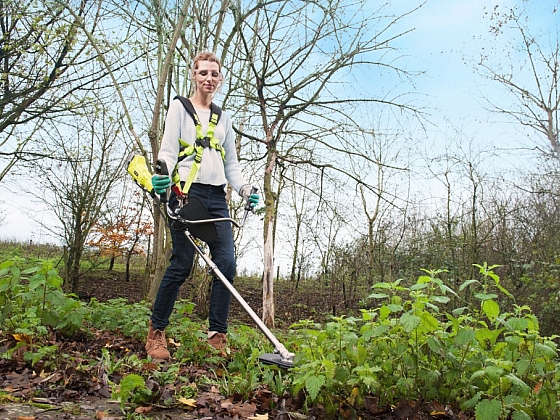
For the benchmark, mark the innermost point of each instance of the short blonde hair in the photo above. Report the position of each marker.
(205, 56)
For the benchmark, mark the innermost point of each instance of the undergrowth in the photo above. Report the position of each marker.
(423, 341)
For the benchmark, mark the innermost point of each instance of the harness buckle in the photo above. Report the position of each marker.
(204, 142)
(182, 201)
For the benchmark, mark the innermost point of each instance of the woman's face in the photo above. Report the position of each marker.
(207, 76)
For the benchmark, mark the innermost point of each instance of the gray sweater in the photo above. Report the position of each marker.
(213, 169)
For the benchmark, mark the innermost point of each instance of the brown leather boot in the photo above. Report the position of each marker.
(217, 340)
(156, 344)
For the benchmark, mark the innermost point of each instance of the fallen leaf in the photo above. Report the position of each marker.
(189, 402)
(297, 416)
(173, 342)
(259, 417)
(244, 410)
(22, 337)
(142, 410)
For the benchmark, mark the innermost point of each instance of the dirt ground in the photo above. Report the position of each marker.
(311, 300)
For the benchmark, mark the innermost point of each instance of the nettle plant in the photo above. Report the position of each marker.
(32, 299)
(32, 302)
(412, 345)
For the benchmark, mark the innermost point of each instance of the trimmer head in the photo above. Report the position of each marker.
(276, 359)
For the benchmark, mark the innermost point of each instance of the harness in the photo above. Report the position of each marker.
(202, 141)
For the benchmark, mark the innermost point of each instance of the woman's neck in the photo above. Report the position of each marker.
(201, 101)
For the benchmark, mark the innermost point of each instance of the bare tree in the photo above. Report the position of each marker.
(391, 177)
(531, 74)
(298, 55)
(75, 189)
(46, 71)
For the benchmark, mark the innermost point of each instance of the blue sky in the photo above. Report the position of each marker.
(445, 43)
(449, 38)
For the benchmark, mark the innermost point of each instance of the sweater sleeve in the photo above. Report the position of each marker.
(232, 167)
(169, 149)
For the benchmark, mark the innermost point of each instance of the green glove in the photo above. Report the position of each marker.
(250, 197)
(160, 183)
(254, 199)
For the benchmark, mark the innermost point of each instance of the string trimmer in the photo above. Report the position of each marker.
(195, 220)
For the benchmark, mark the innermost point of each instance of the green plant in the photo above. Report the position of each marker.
(410, 347)
(32, 299)
(131, 389)
(131, 319)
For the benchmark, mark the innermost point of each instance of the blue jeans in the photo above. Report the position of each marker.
(181, 262)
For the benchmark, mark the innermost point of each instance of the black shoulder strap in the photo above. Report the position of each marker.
(215, 109)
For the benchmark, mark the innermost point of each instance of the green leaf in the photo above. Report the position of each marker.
(493, 373)
(488, 410)
(491, 309)
(380, 330)
(485, 296)
(467, 283)
(341, 374)
(504, 291)
(394, 307)
(521, 366)
(313, 384)
(467, 405)
(518, 324)
(31, 270)
(520, 386)
(429, 321)
(544, 350)
(484, 334)
(459, 311)
(409, 321)
(440, 299)
(436, 346)
(384, 312)
(424, 279)
(6, 264)
(131, 382)
(445, 288)
(464, 336)
(520, 415)
(378, 296)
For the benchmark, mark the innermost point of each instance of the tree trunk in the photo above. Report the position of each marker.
(127, 269)
(160, 258)
(268, 275)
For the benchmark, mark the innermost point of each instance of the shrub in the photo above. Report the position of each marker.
(409, 347)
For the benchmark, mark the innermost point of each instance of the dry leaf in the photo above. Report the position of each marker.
(22, 337)
(537, 387)
(189, 402)
(173, 342)
(142, 410)
(259, 417)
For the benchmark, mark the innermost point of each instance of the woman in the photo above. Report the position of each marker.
(208, 184)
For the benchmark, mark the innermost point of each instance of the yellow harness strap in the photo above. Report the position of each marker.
(202, 141)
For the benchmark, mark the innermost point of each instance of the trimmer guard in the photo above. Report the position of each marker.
(276, 359)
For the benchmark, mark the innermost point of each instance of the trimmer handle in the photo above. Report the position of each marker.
(161, 169)
(248, 206)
